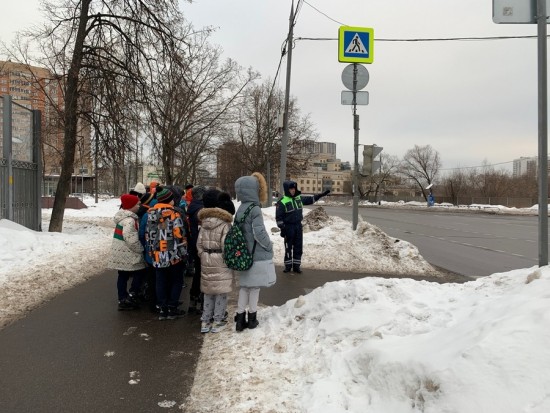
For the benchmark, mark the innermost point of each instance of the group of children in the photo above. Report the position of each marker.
(161, 234)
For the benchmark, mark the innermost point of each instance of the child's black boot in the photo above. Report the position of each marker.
(240, 318)
(252, 321)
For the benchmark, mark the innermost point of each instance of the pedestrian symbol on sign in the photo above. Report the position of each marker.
(356, 45)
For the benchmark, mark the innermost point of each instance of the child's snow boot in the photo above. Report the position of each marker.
(206, 326)
(296, 269)
(288, 268)
(125, 304)
(133, 299)
(163, 313)
(240, 318)
(218, 326)
(252, 321)
(175, 312)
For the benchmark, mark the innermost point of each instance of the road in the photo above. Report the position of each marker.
(471, 244)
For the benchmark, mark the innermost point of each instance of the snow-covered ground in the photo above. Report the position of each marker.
(373, 344)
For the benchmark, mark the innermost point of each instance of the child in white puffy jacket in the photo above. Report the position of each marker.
(126, 254)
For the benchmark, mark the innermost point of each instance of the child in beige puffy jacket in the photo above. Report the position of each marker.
(216, 278)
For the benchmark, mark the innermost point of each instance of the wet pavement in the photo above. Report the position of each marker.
(77, 353)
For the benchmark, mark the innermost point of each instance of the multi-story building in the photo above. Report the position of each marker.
(525, 166)
(324, 171)
(39, 89)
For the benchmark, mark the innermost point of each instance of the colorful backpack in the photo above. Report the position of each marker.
(235, 251)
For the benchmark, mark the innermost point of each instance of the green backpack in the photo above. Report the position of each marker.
(235, 251)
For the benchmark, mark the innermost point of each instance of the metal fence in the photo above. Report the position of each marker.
(20, 164)
(510, 202)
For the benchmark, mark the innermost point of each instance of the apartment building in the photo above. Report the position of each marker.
(525, 165)
(324, 171)
(37, 88)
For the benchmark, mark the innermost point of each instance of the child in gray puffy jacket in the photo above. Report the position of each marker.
(252, 190)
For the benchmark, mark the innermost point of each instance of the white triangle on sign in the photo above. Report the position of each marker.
(356, 46)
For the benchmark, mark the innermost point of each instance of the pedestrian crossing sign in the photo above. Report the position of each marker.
(355, 44)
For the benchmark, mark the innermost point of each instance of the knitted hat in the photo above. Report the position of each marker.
(198, 192)
(188, 186)
(225, 202)
(153, 186)
(128, 201)
(210, 198)
(165, 196)
(146, 198)
(139, 188)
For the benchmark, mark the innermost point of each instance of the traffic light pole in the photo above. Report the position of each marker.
(355, 213)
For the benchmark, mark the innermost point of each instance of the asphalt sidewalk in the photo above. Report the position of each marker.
(77, 353)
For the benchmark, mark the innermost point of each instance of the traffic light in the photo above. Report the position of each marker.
(370, 165)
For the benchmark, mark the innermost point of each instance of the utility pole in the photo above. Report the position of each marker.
(96, 173)
(543, 132)
(284, 140)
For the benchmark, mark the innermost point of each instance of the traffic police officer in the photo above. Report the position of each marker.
(289, 215)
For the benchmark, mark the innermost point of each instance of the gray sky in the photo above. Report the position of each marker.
(471, 100)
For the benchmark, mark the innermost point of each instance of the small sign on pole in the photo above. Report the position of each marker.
(516, 11)
(361, 97)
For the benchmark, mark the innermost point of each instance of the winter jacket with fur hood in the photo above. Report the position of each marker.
(253, 190)
(216, 278)
(126, 251)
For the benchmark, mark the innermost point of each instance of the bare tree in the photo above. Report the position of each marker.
(421, 164)
(259, 134)
(374, 184)
(490, 182)
(85, 40)
(189, 102)
(454, 185)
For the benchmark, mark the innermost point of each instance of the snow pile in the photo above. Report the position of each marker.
(388, 345)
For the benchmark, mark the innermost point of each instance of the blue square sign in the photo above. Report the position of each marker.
(355, 44)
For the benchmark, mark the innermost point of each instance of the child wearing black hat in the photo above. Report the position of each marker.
(216, 278)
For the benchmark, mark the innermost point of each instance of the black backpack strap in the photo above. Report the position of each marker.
(246, 212)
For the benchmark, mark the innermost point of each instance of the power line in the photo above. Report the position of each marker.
(411, 40)
(324, 14)
(473, 167)
(298, 10)
(285, 45)
(439, 39)
(283, 53)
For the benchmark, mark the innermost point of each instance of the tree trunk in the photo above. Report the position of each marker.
(71, 121)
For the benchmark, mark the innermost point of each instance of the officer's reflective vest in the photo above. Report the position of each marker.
(292, 204)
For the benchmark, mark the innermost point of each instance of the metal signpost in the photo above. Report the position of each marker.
(526, 11)
(355, 45)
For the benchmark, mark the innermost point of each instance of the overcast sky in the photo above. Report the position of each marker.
(472, 100)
